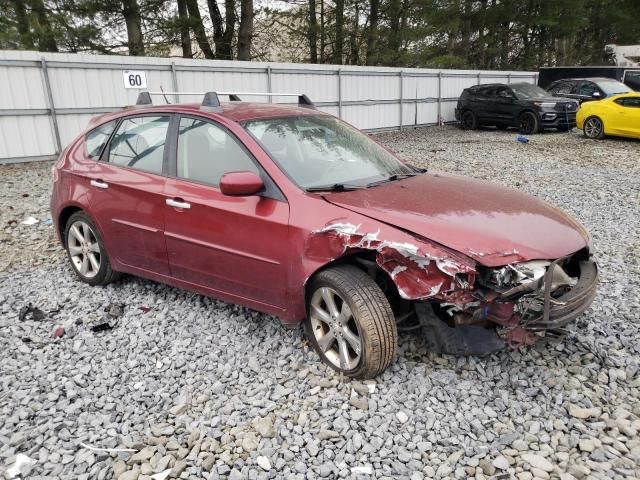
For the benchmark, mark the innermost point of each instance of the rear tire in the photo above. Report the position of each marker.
(350, 322)
(593, 128)
(86, 251)
(529, 123)
(468, 121)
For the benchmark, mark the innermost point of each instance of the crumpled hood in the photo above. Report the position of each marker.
(492, 224)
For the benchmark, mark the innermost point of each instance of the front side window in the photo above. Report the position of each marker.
(207, 151)
(97, 138)
(139, 143)
(319, 150)
(587, 89)
(503, 92)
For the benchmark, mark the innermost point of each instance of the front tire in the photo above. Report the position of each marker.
(350, 322)
(469, 121)
(86, 251)
(593, 128)
(529, 123)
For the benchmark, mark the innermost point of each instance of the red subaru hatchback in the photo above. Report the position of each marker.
(292, 212)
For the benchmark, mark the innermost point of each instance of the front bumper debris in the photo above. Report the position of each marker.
(518, 316)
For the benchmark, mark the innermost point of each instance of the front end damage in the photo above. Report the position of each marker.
(466, 308)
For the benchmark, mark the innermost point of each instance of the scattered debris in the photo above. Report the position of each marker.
(12, 223)
(21, 467)
(47, 222)
(29, 310)
(145, 309)
(59, 332)
(522, 139)
(98, 449)
(115, 310)
(162, 475)
(101, 327)
(25, 195)
(30, 221)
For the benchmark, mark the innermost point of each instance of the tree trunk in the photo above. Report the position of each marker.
(198, 28)
(185, 38)
(312, 34)
(339, 44)
(26, 40)
(223, 29)
(245, 31)
(322, 32)
(372, 32)
(131, 13)
(46, 37)
(353, 37)
(395, 10)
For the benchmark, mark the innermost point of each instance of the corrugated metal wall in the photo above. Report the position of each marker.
(46, 99)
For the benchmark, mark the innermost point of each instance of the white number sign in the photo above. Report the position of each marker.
(134, 79)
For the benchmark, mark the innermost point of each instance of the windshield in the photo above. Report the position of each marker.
(612, 87)
(525, 91)
(319, 150)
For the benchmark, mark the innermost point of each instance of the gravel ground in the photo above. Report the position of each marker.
(198, 388)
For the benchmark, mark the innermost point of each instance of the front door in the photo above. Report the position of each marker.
(127, 196)
(233, 245)
(626, 116)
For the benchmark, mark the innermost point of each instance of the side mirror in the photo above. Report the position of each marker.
(596, 94)
(240, 184)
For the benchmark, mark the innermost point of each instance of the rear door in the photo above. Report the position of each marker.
(564, 88)
(233, 245)
(127, 197)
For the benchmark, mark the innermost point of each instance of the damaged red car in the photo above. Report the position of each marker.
(292, 212)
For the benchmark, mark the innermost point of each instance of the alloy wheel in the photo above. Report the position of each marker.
(84, 249)
(335, 329)
(593, 127)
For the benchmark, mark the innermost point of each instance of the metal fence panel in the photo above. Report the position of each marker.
(46, 99)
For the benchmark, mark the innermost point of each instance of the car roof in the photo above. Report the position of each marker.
(590, 79)
(234, 111)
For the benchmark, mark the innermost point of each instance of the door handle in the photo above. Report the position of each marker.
(177, 203)
(99, 184)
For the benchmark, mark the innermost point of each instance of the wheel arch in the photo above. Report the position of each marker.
(63, 218)
(365, 260)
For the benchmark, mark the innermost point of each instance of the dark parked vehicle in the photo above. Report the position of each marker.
(522, 105)
(587, 89)
(629, 76)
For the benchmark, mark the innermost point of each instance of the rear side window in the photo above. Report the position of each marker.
(139, 143)
(97, 138)
(629, 102)
(207, 151)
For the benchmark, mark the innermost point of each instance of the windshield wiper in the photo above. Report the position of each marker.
(336, 187)
(393, 178)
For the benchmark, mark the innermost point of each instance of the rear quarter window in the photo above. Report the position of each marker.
(97, 138)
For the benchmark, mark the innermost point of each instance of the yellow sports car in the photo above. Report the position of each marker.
(618, 115)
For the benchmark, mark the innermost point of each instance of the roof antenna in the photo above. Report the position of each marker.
(165, 97)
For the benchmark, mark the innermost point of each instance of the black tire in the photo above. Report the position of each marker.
(90, 250)
(371, 319)
(529, 123)
(593, 128)
(469, 121)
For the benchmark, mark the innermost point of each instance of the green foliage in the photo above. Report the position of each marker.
(490, 34)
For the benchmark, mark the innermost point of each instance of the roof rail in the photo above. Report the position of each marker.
(211, 100)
